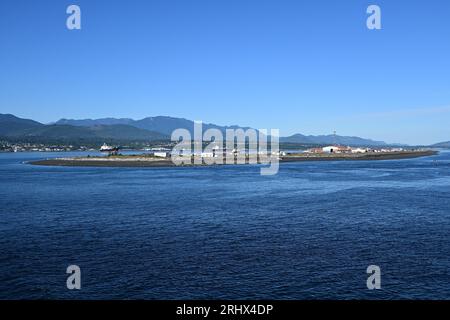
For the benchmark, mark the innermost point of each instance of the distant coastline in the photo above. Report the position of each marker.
(136, 161)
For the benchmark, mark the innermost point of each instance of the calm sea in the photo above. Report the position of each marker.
(309, 232)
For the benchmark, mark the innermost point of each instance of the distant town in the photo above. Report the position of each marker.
(6, 146)
(349, 150)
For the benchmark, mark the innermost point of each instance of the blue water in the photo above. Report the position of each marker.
(226, 232)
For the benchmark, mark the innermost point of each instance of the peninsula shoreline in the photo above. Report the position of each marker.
(152, 162)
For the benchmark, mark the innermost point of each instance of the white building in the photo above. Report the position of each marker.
(160, 154)
(359, 150)
(329, 149)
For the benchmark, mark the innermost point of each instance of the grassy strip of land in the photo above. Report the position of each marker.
(359, 156)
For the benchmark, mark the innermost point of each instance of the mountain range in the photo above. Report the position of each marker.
(148, 129)
(12, 127)
(161, 124)
(330, 139)
(445, 144)
(166, 125)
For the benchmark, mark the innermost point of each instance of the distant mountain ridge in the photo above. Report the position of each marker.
(111, 132)
(331, 139)
(91, 122)
(445, 144)
(162, 124)
(17, 128)
(157, 128)
(10, 124)
(166, 125)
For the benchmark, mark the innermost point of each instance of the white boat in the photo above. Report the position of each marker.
(106, 148)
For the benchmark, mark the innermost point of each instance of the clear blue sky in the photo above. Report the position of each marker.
(300, 66)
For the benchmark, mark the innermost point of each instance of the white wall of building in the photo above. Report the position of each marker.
(329, 149)
(160, 154)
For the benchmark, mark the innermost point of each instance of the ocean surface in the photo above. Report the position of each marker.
(227, 232)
